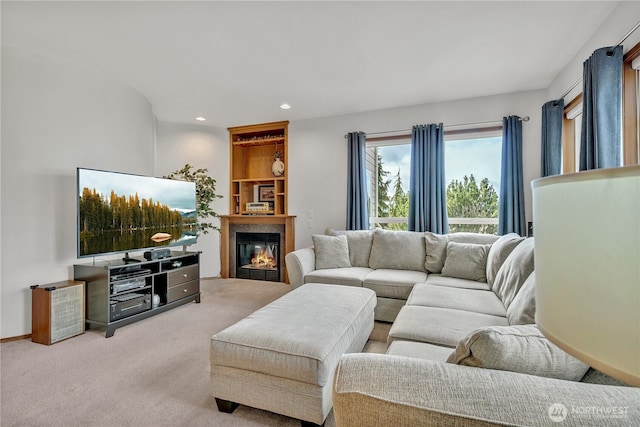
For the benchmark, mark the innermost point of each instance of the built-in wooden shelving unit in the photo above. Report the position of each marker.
(253, 152)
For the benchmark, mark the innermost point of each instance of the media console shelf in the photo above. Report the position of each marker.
(118, 294)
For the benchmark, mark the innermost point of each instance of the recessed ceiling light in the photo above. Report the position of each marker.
(200, 119)
(285, 106)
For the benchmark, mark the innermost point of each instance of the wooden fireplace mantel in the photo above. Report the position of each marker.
(226, 220)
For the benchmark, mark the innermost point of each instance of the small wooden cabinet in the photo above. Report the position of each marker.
(57, 311)
(254, 149)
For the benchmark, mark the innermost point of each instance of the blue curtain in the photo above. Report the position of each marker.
(357, 211)
(427, 189)
(601, 140)
(552, 118)
(511, 217)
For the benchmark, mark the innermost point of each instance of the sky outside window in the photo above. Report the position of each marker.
(479, 156)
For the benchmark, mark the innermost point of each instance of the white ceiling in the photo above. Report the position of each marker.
(236, 62)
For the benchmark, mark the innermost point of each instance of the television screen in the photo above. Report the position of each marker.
(119, 212)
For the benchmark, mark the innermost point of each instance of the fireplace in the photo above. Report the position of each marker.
(258, 256)
(231, 225)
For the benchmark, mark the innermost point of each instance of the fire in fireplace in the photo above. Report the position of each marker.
(257, 256)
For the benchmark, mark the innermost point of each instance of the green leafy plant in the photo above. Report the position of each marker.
(205, 194)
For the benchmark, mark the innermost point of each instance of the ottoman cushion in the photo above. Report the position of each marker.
(300, 336)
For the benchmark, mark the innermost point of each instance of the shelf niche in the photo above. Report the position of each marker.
(252, 155)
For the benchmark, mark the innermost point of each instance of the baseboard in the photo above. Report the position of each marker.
(21, 337)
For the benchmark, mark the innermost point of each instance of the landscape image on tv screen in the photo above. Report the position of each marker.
(120, 212)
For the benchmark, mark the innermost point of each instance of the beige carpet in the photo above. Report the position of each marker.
(152, 373)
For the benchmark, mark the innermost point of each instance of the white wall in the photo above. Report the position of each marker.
(201, 147)
(56, 116)
(318, 151)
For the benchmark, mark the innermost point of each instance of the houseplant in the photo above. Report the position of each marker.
(205, 194)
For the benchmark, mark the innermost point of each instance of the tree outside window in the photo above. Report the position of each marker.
(472, 169)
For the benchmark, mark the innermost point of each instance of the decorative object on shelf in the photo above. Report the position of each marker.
(278, 165)
(205, 194)
(266, 193)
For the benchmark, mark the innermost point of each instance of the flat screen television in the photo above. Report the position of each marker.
(120, 212)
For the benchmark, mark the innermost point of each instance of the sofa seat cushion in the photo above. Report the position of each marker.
(454, 282)
(419, 350)
(440, 326)
(520, 349)
(349, 276)
(474, 300)
(393, 283)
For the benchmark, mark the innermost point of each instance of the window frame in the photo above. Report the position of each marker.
(630, 109)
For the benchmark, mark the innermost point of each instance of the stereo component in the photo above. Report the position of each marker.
(157, 254)
(258, 207)
(129, 285)
(128, 305)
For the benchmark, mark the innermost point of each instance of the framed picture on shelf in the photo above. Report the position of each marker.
(266, 193)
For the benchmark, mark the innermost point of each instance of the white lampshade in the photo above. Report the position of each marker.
(587, 262)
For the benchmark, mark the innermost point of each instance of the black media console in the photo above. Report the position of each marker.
(118, 293)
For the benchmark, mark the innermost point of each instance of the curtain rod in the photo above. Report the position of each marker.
(402, 131)
(626, 36)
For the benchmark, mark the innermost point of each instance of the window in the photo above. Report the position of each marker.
(389, 166)
(472, 174)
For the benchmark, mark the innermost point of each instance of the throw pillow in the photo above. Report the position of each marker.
(466, 261)
(436, 251)
(399, 250)
(520, 349)
(331, 251)
(436, 246)
(515, 270)
(359, 241)
(522, 311)
(499, 252)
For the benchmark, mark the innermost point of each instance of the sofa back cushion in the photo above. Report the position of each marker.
(499, 252)
(400, 250)
(520, 349)
(466, 261)
(514, 271)
(331, 251)
(359, 241)
(522, 310)
(436, 246)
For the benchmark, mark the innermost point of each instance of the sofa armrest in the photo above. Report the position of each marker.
(300, 263)
(383, 390)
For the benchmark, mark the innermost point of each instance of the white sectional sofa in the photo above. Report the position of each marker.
(456, 301)
(388, 262)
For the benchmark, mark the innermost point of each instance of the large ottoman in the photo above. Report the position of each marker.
(282, 357)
